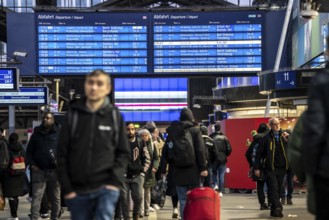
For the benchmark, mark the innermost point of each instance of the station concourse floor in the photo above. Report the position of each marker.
(234, 206)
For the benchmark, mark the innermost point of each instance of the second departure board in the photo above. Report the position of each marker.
(78, 43)
(207, 42)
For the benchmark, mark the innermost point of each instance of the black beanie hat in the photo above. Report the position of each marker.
(186, 115)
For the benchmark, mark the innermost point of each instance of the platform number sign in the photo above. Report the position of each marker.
(285, 80)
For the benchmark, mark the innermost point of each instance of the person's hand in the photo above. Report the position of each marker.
(154, 170)
(204, 173)
(111, 187)
(70, 195)
(257, 173)
(34, 168)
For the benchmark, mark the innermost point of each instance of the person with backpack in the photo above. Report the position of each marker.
(14, 182)
(93, 152)
(188, 155)
(224, 149)
(250, 156)
(41, 154)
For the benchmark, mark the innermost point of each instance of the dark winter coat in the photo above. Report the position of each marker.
(316, 125)
(190, 176)
(14, 185)
(88, 157)
(154, 157)
(167, 167)
(222, 146)
(211, 153)
(267, 152)
(42, 147)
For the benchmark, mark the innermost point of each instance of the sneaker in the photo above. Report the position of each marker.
(147, 213)
(13, 218)
(220, 194)
(156, 207)
(289, 201)
(215, 187)
(29, 199)
(175, 213)
(44, 216)
(151, 209)
(61, 211)
(283, 200)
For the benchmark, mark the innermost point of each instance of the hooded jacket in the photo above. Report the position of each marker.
(190, 176)
(12, 185)
(42, 147)
(88, 157)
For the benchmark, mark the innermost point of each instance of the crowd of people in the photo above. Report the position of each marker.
(95, 162)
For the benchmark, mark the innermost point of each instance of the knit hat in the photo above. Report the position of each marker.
(186, 115)
(204, 130)
(150, 125)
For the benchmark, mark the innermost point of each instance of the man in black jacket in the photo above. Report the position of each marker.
(41, 151)
(272, 149)
(93, 152)
(139, 164)
(188, 178)
(223, 149)
(211, 154)
(315, 149)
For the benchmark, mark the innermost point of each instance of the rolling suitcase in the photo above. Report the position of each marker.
(202, 204)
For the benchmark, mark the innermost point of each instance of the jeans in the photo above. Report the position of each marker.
(182, 197)
(45, 181)
(98, 205)
(218, 174)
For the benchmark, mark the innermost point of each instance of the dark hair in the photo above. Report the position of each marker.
(217, 126)
(1, 130)
(130, 122)
(262, 128)
(13, 138)
(99, 73)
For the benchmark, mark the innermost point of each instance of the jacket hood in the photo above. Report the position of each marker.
(186, 115)
(177, 128)
(80, 104)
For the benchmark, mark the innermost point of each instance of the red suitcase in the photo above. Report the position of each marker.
(202, 204)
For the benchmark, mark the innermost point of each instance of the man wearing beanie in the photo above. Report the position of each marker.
(223, 148)
(188, 178)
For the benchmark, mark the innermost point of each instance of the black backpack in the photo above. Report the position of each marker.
(4, 155)
(181, 143)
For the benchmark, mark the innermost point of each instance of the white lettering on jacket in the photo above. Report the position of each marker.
(104, 128)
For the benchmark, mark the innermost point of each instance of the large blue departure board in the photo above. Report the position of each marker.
(151, 43)
(207, 42)
(78, 43)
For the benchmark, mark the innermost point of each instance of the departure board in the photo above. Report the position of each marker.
(78, 43)
(8, 79)
(25, 96)
(194, 42)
